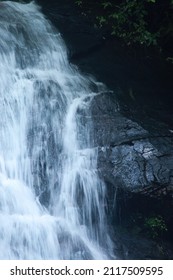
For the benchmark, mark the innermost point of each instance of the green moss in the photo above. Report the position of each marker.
(155, 226)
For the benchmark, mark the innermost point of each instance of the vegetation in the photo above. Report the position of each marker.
(155, 226)
(152, 225)
(143, 22)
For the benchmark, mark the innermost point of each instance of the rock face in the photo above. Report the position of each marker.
(131, 156)
(132, 125)
(136, 163)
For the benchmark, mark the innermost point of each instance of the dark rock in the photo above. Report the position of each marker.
(137, 161)
(128, 153)
(134, 247)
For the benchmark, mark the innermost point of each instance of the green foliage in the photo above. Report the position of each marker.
(128, 23)
(101, 20)
(144, 22)
(78, 2)
(170, 59)
(106, 4)
(155, 226)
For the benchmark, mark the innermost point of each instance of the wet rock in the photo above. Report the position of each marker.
(134, 247)
(129, 153)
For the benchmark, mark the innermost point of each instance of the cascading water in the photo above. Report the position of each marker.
(52, 202)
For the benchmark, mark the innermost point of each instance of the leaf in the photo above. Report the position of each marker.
(106, 4)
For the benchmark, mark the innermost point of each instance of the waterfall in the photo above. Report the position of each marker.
(52, 201)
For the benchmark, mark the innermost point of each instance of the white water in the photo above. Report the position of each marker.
(52, 202)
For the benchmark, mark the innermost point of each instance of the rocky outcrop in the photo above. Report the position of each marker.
(136, 164)
(131, 156)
